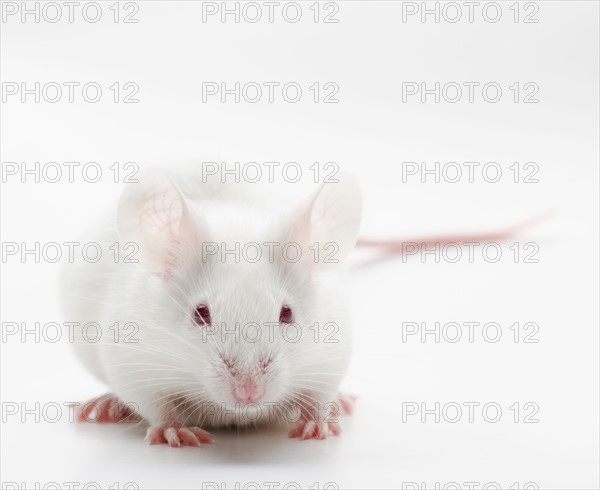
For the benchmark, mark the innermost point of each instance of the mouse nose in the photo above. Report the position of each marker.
(247, 391)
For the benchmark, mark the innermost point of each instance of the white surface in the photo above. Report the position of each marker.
(369, 53)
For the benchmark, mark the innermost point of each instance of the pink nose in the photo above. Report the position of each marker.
(247, 391)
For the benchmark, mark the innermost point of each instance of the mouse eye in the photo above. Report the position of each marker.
(202, 315)
(286, 315)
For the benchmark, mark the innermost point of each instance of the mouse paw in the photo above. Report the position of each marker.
(177, 437)
(311, 429)
(346, 403)
(107, 409)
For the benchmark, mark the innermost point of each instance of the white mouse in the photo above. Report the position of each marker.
(217, 308)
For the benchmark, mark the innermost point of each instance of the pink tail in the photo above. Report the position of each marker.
(390, 248)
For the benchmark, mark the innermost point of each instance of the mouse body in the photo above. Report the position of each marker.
(211, 306)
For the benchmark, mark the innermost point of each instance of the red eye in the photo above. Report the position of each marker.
(286, 315)
(202, 315)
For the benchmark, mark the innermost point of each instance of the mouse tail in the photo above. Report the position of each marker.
(390, 248)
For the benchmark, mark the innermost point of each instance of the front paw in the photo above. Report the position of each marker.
(312, 429)
(178, 436)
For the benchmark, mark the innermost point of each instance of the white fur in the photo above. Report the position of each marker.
(176, 363)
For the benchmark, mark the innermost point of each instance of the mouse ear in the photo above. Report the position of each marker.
(153, 213)
(327, 224)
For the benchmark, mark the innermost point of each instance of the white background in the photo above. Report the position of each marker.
(369, 53)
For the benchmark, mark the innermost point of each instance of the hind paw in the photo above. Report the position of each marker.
(107, 409)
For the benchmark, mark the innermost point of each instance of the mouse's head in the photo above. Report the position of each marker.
(236, 295)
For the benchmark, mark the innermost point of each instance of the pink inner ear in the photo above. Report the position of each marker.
(336, 218)
(160, 221)
(160, 216)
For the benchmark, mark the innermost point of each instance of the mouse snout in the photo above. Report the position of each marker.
(247, 390)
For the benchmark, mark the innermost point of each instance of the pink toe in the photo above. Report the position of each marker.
(346, 407)
(296, 431)
(155, 436)
(347, 402)
(320, 431)
(99, 411)
(172, 437)
(89, 412)
(113, 410)
(83, 413)
(335, 429)
(202, 435)
(308, 430)
(188, 438)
